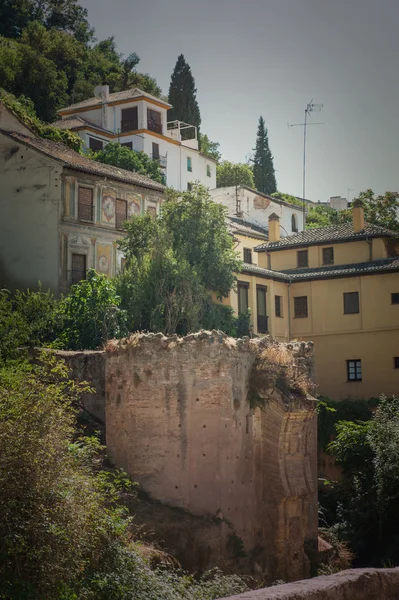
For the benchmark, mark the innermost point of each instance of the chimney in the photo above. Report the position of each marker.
(274, 228)
(102, 92)
(358, 216)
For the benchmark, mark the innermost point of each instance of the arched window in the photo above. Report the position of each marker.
(294, 223)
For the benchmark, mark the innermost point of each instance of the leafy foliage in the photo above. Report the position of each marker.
(209, 148)
(183, 96)
(381, 210)
(90, 314)
(263, 168)
(288, 198)
(120, 156)
(175, 261)
(228, 174)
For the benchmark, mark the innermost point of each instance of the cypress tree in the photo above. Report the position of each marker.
(183, 97)
(265, 179)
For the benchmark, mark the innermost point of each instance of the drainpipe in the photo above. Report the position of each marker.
(289, 311)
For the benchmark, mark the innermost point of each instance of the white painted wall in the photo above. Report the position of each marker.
(257, 208)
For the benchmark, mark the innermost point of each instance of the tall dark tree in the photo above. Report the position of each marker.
(264, 175)
(183, 96)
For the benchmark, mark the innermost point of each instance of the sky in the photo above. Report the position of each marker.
(270, 58)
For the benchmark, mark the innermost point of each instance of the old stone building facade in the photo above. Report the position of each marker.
(62, 213)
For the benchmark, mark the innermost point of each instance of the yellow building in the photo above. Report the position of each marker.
(337, 286)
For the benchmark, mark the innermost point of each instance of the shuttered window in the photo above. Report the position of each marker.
(155, 151)
(121, 213)
(396, 362)
(328, 256)
(261, 309)
(302, 258)
(351, 303)
(300, 307)
(395, 298)
(78, 268)
(278, 306)
(95, 145)
(248, 256)
(85, 204)
(129, 120)
(128, 145)
(242, 290)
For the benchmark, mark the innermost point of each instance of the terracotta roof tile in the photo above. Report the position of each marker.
(326, 235)
(69, 158)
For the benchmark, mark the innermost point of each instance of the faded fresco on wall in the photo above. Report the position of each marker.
(133, 204)
(104, 258)
(260, 202)
(108, 206)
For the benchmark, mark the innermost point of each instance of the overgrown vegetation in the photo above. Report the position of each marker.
(361, 508)
(120, 156)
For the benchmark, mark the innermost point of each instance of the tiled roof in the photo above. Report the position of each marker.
(242, 227)
(387, 265)
(115, 97)
(326, 235)
(69, 158)
(70, 123)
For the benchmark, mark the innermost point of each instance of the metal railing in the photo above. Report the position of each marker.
(162, 160)
(129, 125)
(154, 126)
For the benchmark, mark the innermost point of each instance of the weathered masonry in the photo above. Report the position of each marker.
(214, 426)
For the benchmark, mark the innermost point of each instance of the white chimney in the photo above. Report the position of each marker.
(102, 92)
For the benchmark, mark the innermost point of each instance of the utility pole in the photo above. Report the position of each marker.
(310, 108)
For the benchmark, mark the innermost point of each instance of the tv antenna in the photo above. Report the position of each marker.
(310, 108)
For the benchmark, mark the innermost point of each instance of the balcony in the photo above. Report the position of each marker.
(162, 160)
(129, 125)
(184, 133)
(153, 125)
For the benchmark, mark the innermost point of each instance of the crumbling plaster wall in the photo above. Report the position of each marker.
(178, 420)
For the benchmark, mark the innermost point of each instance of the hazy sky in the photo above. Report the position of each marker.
(271, 57)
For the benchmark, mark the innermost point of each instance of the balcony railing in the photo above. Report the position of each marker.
(129, 125)
(154, 126)
(162, 160)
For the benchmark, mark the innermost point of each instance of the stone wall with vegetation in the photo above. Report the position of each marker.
(222, 428)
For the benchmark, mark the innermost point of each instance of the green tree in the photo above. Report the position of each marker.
(209, 148)
(228, 174)
(288, 198)
(65, 15)
(175, 262)
(90, 314)
(264, 175)
(183, 97)
(120, 156)
(381, 210)
(321, 215)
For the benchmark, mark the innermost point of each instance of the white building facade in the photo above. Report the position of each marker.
(254, 208)
(138, 120)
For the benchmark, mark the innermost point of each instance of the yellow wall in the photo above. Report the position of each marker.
(344, 254)
(248, 242)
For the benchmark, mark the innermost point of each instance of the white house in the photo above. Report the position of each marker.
(139, 120)
(255, 208)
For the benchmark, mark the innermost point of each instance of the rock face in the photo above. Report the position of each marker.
(355, 584)
(182, 421)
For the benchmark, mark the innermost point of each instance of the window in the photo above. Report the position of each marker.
(242, 290)
(248, 256)
(396, 362)
(208, 170)
(154, 120)
(302, 258)
(121, 213)
(78, 268)
(189, 186)
(189, 164)
(354, 369)
(294, 223)
(328, 256)
(155, 151)
(278, 306)
(85, 204)
(261, 308)
(351, 303)
(129, 120)
(395, 298)
(95, 145)
(301, 307)
(128, 145)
